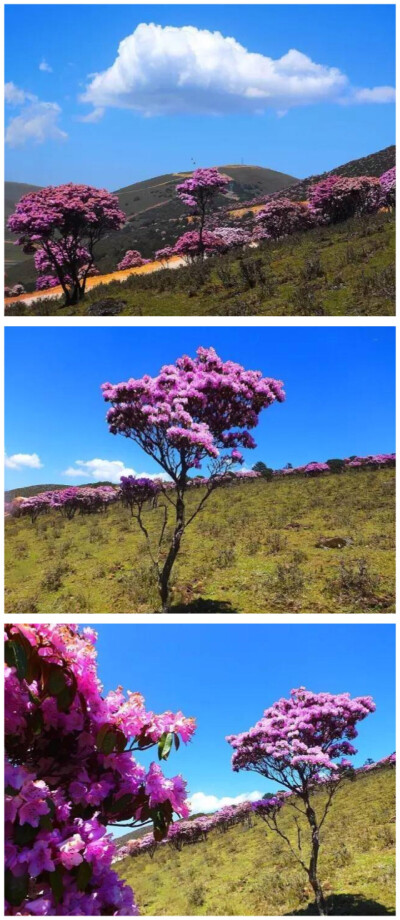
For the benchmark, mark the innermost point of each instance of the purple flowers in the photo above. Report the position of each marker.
(61, 226)
(340, 197)
(70, 771)
(132, 259)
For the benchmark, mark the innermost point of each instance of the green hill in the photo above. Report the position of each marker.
(253, 548)
(155, 216)
(250, 872)
(26, 491)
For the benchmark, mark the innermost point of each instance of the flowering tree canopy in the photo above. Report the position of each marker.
(70, 772)
(189, 246)
(280, 217)
(198, 409)
(340, 197)
(298, 742)
(132, 259)
(199, 192)
(62, 226)
(388, 184)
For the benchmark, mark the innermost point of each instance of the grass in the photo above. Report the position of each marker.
(250, 872)
(342, 270)
(253, 548)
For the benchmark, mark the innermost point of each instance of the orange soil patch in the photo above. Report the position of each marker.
(98, 279)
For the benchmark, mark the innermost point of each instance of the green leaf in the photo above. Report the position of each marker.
(177, 741)
(165, 745)
(16, 657)
(24, 834)
(15, 887)
(36, 722)
(83, 875)
(56, 683)
(56, 884)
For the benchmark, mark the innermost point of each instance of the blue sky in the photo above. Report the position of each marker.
(155, 115)
(339, 383)
(225, 676)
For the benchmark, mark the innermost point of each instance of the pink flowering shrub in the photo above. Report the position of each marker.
(339, 197)
(71, 771)
(194, 411)
(62, 226)
(132, 259)
(14, 291)
(191, 245)
(298, 742)
(281, 217)
(198, 192)
(388, 185)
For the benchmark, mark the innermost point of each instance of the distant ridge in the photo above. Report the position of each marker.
(27, 491)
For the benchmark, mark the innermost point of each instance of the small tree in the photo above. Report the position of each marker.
(336, 465)
(297, 744)
(132, 259)
(281, 217)
(71, 771)
(191, 246)
(340, 197)
(388, 184)
(199, 192)
(194, 411)
(266, 471)
(61, 226)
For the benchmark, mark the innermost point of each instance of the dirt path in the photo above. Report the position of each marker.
(56, 292)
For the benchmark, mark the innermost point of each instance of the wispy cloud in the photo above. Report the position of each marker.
(36, 122)
(45, 66)
(19, 461)
(168, 70)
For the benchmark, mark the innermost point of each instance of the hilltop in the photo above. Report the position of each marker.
(27, 491)
(154, 215)
(250, 871)
(253, 548)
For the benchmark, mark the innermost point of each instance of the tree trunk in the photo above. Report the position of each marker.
(172, 554)
(313, 866)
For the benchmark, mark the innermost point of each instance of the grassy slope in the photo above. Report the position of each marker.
(241, 554)
(251, 872)
(347, 269)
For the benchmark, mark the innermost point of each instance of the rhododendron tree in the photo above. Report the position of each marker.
(199, 192)
(300, 742)
(190, 246)
(388, 185)
(61, 226)
(71, 771)
(282, 217)
(132, 259)
(195, 411)
(340, 197)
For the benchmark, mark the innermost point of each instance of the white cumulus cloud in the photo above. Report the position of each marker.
(45, 66)
(168, 70)
(378, 94)
(19, 461)
(110, 470)
(36, 122)
(200, 801)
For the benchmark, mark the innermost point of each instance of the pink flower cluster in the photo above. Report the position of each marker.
(192, 410)
(84, 499)
(70, 772)
(339, 197)
(388, 184)
(132, 259)
(202, 186)
(302, 736)
(282, 217)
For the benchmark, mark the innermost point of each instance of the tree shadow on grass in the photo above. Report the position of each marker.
(339, 905)
(203, 605)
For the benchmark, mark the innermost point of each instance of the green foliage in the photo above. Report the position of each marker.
(250, 872)
(271, 563)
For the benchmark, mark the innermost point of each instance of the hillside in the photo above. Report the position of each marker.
(13, 255)
(250, 871)
(26, 491)
(97, 563)
(346, 269)
(155, 216)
